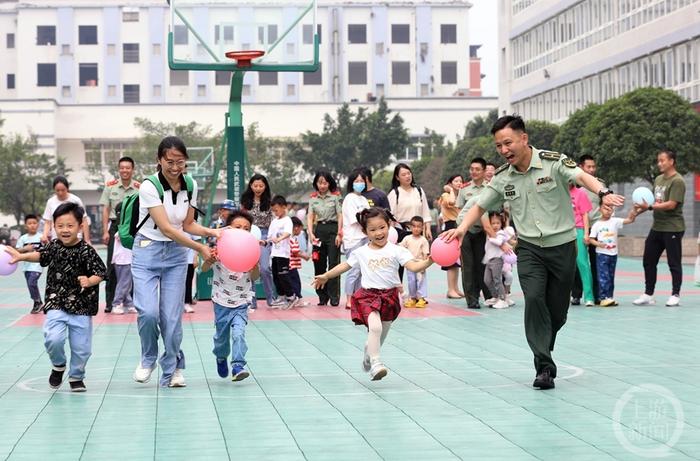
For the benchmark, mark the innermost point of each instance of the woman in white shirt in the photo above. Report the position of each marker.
(159, 266)
(62, 195)
(353, 236)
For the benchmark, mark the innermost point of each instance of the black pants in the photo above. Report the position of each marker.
(188, 283)
(282, 277)
(654, 245)
(545, 274)
(111, 277)
(577, 291)
(472, 253)
(295, 281)
(328, 258)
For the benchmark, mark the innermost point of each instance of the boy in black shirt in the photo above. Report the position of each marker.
(75, 271)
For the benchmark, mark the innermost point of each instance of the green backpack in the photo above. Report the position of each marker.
(129, 215)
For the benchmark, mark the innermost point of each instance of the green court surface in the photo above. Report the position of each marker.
(459, 386)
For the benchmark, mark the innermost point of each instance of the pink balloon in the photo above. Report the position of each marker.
(238, 250)
(510, 258)
(5, 267)
(443, 253)
(393, 235)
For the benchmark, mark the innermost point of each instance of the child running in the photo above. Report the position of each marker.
(28, 243)
(278, 235)
(296, 254)
(604, 238)
(376, 304)
(75, 271)
(493, 259)
(419, 247)
(232, 295)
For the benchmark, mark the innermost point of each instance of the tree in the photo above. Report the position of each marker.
(273, 158)
(481, 126)
(353, 139)
(627, 133)
(467, 150)
(568, 140)
(541, 134)
(26, 175)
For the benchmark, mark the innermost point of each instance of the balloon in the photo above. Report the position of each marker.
(238, 250)
(255, 230)
(642, 194)
(5, 267)
(510, 258)
(443, 253)
(393, 235)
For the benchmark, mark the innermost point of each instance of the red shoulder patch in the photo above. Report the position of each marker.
(335, 192)
(313, 195)
(136, 184)
(111, 182)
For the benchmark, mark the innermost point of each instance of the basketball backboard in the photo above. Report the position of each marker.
(202, 32)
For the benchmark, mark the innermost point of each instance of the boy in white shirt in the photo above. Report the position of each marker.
(604, 237)
(419, 247)
(278, 233)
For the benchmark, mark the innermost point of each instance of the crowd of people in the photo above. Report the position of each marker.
(544, 207)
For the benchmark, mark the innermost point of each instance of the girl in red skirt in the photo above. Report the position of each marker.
(376, 305)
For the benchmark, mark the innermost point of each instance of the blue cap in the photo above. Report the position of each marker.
(228, 205)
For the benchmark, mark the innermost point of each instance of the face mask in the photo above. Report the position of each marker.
(358, 187)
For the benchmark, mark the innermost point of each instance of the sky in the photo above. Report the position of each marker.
(483, 29)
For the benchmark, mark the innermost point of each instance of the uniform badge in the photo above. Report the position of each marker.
(544, 179)
(569, 163)
(509, 187)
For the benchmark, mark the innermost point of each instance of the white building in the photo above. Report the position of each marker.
(556, 56)
(77, 72)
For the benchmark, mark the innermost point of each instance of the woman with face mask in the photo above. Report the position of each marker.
(353, 237)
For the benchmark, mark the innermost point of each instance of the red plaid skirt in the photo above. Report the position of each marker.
(366, 300)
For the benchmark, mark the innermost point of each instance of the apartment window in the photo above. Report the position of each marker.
(291, 90)
(222, 78)
(111, 90)
(87, 35)
(400, 33)
(88, 74)
(357, 33)
(131, 94)
(201, 90)
(111, 49)
(156, 49)
(179, 77)
(308, 33)
(401, 72)
(10, 39)
(448, 33)
(267, 78)
(65, 91)
(357, 73)
(45, 35)
(448, 72)
(271, 34)
(228, 34)
(10, 81)
(46, 75)
(130, 52)
(313, 78)
(180, 35)
(130, 16)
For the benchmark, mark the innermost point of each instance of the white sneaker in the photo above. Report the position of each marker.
(132, 310)
(291, 302)
(118, 310)
(500, 304)
(644, 300)
(142, 375)
(590, 303)
(673, 301)
(277, 303)
(189, 309)
(491, 301)
(177, 380)
(510, 301)
(378, 371)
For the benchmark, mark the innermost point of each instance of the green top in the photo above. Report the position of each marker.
(594, 214)
(476, 228)
(325, 207)
(665, 189)
(466, 194)
(540, 204)
(114, 193)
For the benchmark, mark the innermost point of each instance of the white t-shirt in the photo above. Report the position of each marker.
(380, 268)
(606, 232)
(121, 256)
(148, 198)
(230, 289)
(352, 231)
(278, 227)
(53, 203)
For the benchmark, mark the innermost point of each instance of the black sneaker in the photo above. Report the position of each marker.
(544, 380)
(322, 302)
(77, 386)
(575, 301)
(335, 302)
(56, 376)
(108, 309)
(38, 306)
(474, 306)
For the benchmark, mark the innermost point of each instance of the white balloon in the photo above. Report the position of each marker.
(255, 230)
(393, 235)
(641, 194)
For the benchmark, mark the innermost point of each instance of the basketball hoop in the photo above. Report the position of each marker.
(244, 58)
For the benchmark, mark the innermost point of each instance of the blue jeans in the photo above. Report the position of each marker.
(159, 270)
(122, 293)
(79, 340)
(266, 268)
(32, 279)
(606, 274)
(353, 278)
(230, 333)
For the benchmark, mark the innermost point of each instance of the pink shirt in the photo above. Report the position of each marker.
(581, 204)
